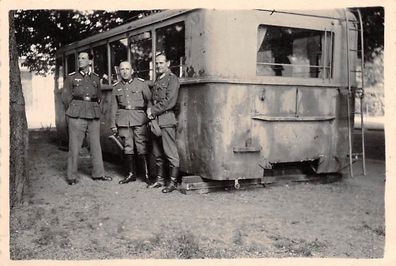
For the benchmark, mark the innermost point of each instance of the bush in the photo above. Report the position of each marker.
(373, 104)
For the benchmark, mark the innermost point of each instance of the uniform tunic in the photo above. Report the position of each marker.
(165, 93)
(81, 96)
(77, 86)
(128, 114)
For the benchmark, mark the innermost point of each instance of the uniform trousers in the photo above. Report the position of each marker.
(136, 136)
(165, 146)
(78, 127)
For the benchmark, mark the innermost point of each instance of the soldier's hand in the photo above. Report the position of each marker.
(149, 114)
(114, 130)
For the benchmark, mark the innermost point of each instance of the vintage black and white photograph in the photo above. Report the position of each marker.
(201, 133)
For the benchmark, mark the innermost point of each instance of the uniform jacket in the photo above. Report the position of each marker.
(165, 92)
(133, 94)
(80, 85)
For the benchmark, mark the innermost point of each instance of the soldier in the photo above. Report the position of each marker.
(128, 118)
(165, 93)
(81, 96)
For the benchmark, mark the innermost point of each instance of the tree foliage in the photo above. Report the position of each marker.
(40, 32)
(374, 69)
(373, 31)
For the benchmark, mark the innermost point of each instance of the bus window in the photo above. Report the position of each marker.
(119, 53)
(171, 41)
(292, 52)
(101, 63)
(141, 55)
(59, 75)
(71, 63)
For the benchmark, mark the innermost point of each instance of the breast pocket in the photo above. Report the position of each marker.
(137, 98)
(160, 93)
(95, 88)
(76, 87)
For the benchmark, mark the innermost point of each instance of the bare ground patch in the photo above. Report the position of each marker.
(105, 220)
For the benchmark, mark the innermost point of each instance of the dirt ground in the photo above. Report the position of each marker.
(105, 220)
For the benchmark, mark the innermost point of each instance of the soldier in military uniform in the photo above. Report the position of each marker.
(165, 93)
(128, 118)
(81, 96)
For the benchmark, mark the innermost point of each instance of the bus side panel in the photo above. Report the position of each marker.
(196, 42)
(208, 124)
(302, 124)
(60, 119)
(197, 125)
(220, 137)
(342, 145)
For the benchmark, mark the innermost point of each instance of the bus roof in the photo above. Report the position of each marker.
(157, 17)
(167, 14)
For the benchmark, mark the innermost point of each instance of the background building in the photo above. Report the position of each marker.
(39, 99)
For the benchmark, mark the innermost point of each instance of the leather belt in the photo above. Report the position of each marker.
(129, 107)
(85, 98)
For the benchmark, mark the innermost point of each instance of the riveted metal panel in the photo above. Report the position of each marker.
(219, 138)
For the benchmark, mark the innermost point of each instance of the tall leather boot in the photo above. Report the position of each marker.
(173, 180)
(131, 170)
(160, 181)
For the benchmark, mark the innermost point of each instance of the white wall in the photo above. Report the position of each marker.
(39, 99)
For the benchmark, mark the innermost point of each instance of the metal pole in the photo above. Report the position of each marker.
(349, 95)
(331, 55)
(154, 47)
(362, 96)
(325, 56)
(109, 63)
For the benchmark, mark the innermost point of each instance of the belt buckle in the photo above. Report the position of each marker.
(87, 98)
(128, 107)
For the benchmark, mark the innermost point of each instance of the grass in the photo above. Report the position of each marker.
(182, 245)
(297, 247)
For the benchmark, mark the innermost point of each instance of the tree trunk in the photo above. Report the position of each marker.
(18, 124)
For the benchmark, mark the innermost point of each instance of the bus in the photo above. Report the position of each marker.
(262, 91)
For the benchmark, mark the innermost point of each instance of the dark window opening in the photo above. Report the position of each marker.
(171, 41)
(71, 63)
(100, 62)
(119, 53)
(141, 55)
